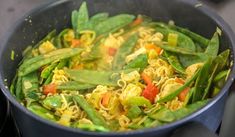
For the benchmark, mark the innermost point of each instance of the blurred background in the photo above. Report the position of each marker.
(11, 10)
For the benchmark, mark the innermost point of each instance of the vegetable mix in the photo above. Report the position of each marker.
(119, 73)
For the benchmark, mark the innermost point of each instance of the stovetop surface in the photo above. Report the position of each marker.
(16, 8)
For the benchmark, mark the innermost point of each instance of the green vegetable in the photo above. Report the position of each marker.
(91, 127)
(201, 80)
(30, 87)
(61, 64)
(48, 70)
(196, 37)
(97, 18)
(80, 19)
(19, 94)
(189, 109)
(222, 60)
(125, 49)
(213, 46)
(12, 55)
(177, 91)
(208, 86)
(52, 102)
(59, 54)
(48, 37)
(134, 112)
(177, 50)
(41, 111)
(140, 61)
(220, 76)
(163, 115)
(175, 63)
(108, 78)
(113, 23)
(73, 85)
(95, 117)
(138, 101)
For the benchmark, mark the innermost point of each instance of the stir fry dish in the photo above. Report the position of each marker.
(119, 73)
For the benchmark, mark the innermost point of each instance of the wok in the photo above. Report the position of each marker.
(35, 25)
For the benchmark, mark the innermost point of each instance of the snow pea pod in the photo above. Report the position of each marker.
(201, 80)
(48, 70)
(52, 102)
(113, 23)
(30, 87)
(208, 86)
(47, 59)
(60, 65)
(220, 75)
(196, 37)
(18, 92)
(41, 111)
(94, 77)
(92, 127)
(73, 85)
(177, 50)
(177, 91)
(48, 37)
(125, 49)
(95, 117)
(134, 112)
(80, 19)
(175, 63)
(140, 61)
(213, 46)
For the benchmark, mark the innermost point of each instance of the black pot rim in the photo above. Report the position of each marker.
(204, 9)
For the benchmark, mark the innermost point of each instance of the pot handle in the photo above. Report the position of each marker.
(196, 129)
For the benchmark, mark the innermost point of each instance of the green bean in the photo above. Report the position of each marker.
(79, 19)
(73, 85)
(46, 59)
(125, 49)
(94, 77)
(95, 117)
(201, 80)
(140, 61)
(41, 111)
(175, 63)
(113, 23)
(209, 82)
(177, 91)
(196, 37)
(213, 46)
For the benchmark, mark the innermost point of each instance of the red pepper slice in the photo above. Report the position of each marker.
(150, 92)
(51, 88)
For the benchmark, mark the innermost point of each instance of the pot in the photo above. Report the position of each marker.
(35, 25)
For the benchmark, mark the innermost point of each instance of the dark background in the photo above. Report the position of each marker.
(11, 10)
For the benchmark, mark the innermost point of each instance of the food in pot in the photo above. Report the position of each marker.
(119, 73)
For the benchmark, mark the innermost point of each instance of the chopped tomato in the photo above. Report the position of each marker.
(150, 92)
(112, 51)
(154, 47)
(146, 78)
(183, 94)
(75, 43)
(51, 88)
(105, 99)
(179, 80)
(137, 21)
